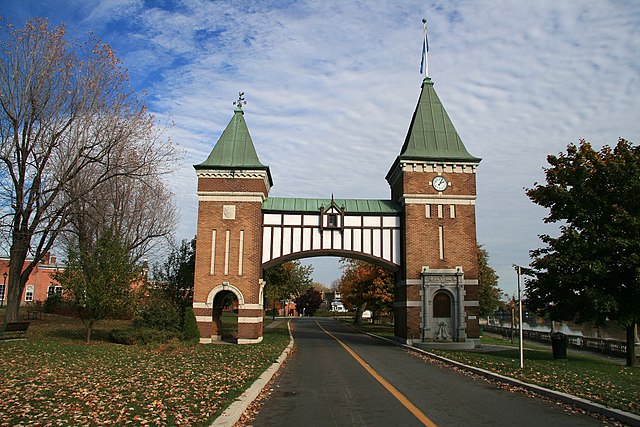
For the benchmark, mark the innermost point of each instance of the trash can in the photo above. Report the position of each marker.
(559, 345)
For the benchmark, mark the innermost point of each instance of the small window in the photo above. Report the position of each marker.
(54, 290)
(440, 209)
(427, 211)
(452, 211)
(28, 296)
(332, 220)
(441, 305)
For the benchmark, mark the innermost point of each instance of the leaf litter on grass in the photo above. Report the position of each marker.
(53, 382)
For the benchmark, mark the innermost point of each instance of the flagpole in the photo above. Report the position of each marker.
(425, 49)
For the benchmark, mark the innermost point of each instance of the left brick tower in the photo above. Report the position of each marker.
(232, 184)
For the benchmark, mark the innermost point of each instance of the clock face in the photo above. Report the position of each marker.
(439, 183)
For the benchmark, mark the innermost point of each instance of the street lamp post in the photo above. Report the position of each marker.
(519, 273)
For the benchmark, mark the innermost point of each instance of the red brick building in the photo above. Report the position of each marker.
(40, 283)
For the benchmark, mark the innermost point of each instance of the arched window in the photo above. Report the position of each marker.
(441, 305)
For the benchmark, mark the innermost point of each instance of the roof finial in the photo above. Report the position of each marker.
(424, 64)
(240, 102)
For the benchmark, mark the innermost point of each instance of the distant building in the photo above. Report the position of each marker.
(40, 283)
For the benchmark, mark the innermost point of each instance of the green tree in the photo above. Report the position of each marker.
(309, 301)
(176, 274)
(592, 270)
(98, 281)
(488, 284)
(366, 286)
(286, 280)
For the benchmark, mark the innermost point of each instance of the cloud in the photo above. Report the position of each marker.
(331, 87)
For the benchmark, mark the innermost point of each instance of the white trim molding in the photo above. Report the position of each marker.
(230, 196)
(249, 319)
(201, 305)
(407, 304)
(423, 199)
(227, 173)
(249, 340)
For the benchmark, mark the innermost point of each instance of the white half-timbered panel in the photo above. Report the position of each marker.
(313, 220)
(326, 239)
(297, 240)
(391, 221)
(272, 219)
(317, 238)
(352, 221)
(357, 240)
(290, 234)
(387, 238)
(286, 241)
(306, 239)
(277, 240)
(293, 220)
(375, 243)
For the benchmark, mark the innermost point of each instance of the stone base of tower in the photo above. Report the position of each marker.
(249, 325)
(438, 310)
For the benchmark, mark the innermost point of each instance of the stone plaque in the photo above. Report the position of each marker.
(229, 212)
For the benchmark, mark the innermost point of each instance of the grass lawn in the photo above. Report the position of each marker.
(54, 378)
(587, 376)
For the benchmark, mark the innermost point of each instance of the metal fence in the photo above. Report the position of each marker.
(606, 346)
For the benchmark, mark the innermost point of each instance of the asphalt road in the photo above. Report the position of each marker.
(323, 384)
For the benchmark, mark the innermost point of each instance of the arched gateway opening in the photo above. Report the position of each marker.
(425, 232)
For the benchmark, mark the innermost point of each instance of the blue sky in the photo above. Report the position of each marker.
(331, 87)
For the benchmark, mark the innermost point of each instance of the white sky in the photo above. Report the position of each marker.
(331, 87)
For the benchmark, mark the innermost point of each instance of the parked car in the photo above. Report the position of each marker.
(367, 314)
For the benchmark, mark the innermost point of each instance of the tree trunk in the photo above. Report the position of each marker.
(16, 281)
(357, 317)
(631, 344)
(89, 328)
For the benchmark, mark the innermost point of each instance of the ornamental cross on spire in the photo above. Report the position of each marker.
(240, 102)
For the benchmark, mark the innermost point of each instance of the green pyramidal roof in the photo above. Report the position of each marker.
(431, 134)
(234, 149)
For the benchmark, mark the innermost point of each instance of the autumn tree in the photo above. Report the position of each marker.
(489, 292)
(99, 282)
(591, 271)
(308, 302)
(366, 286)
(287, 280)
(69, 124)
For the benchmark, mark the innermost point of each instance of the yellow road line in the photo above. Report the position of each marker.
(399, 396)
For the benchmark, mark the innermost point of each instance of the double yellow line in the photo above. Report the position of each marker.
(394, 391)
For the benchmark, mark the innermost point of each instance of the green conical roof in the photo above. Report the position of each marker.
(431, 135)
(234, 149)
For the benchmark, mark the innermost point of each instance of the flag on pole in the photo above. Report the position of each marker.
(424, 64)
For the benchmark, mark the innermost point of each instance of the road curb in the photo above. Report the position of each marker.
(232, 414)
(622, 416)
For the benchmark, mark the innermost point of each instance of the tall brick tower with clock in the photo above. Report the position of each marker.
(434, 180)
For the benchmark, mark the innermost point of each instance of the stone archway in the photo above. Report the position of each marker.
(219, 298)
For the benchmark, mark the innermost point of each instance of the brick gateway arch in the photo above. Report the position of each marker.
(425, 232)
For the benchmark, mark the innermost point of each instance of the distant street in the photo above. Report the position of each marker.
(324, 384)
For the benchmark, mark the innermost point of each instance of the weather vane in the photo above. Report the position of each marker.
(240, 102)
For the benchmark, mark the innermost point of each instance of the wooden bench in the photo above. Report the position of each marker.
(34, 315)
(13, 330)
